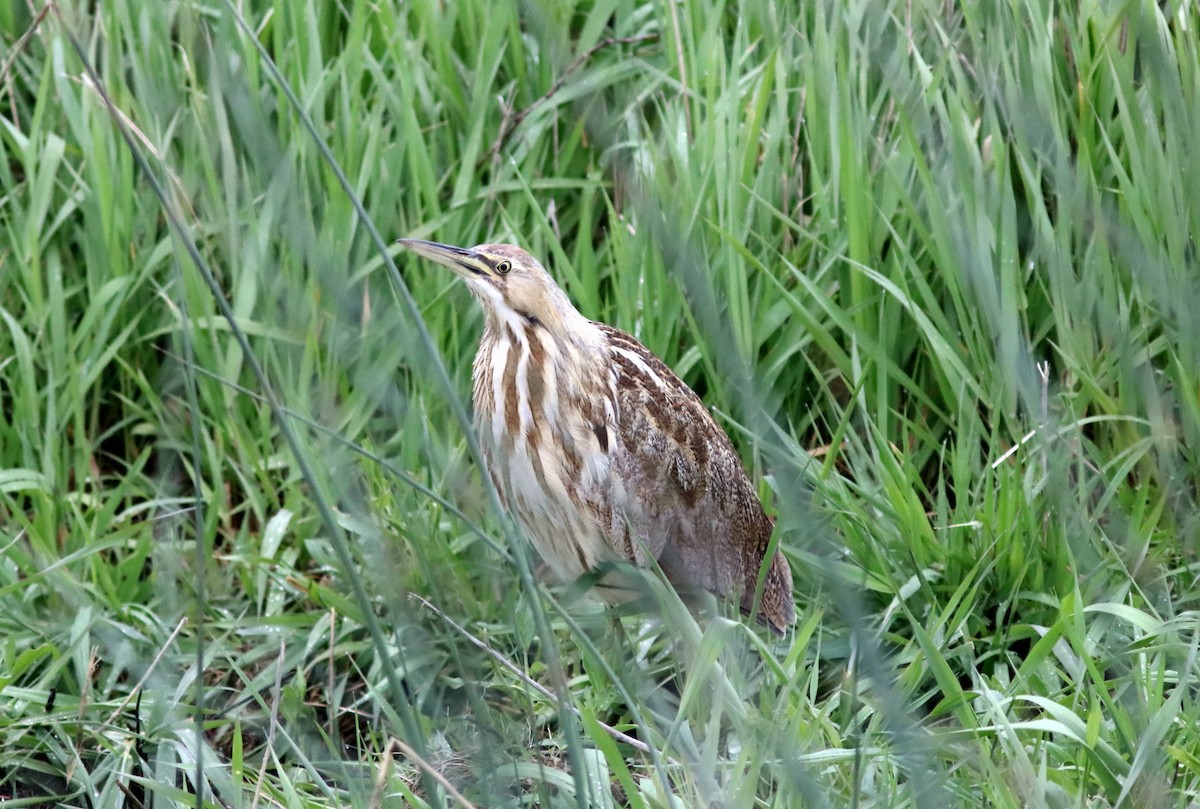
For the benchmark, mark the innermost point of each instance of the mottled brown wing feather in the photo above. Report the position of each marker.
(687, 500)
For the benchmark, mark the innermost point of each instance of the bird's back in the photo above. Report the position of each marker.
(682, 490)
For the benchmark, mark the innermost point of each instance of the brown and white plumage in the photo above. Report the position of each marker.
(598, 449)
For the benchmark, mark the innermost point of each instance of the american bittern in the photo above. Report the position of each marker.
(599, 451)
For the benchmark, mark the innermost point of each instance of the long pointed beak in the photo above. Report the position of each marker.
(464, 262)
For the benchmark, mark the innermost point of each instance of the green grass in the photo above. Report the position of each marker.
(933, 266)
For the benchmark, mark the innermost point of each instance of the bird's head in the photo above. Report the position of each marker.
(513, 286)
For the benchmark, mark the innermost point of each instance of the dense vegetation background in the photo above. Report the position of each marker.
(932, 264)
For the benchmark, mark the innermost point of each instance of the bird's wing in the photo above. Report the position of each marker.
(687, 501)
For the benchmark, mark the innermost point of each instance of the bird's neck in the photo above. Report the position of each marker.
(555, 324)
(536, 356)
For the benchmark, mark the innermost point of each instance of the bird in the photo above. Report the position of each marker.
(599, 451)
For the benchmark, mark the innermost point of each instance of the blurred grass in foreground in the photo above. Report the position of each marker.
(934, 267)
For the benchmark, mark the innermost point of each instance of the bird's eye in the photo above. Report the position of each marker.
(503, 267)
